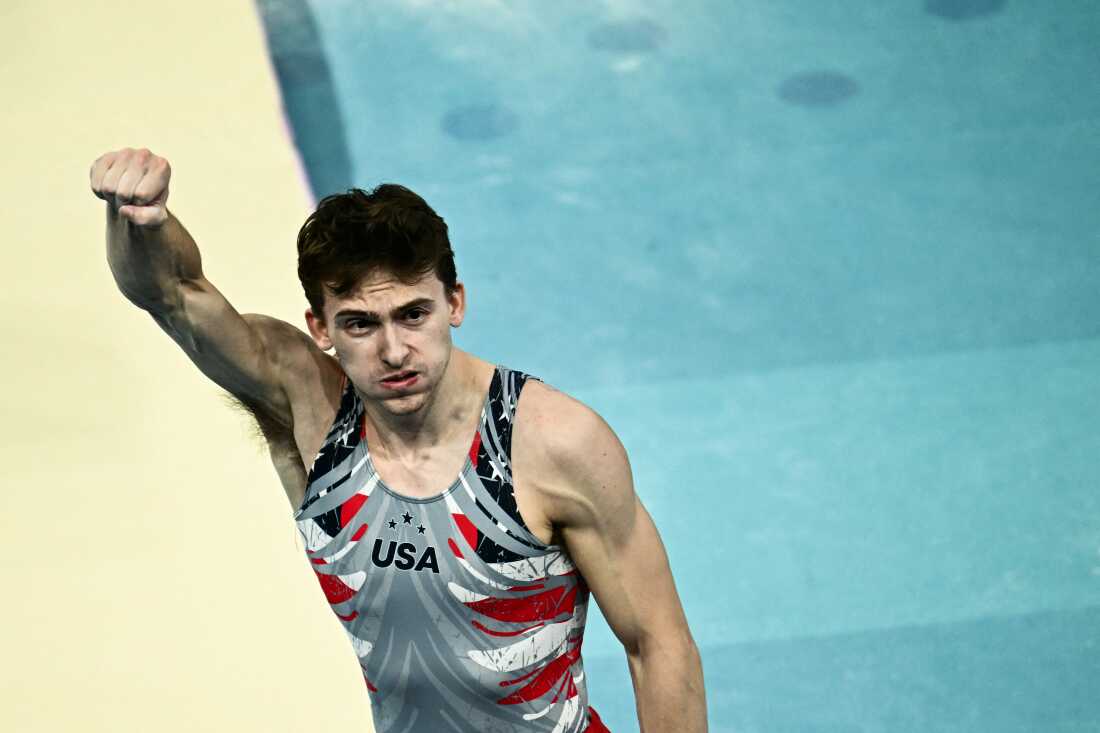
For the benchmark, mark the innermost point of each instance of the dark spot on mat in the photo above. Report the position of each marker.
(817, 88)
(479, 122)
(963, 9)
(628, 36)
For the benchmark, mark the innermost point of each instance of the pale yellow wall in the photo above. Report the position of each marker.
(153, 579)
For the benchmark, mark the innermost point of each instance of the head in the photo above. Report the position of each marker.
(378, 271)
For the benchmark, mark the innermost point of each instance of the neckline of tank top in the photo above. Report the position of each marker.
(467, 464)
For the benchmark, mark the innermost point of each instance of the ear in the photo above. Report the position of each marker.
(456, 302)
(318, 330)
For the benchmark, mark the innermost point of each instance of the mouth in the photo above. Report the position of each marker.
(401, 379)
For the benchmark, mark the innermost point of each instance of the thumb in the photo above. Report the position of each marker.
(143, 216)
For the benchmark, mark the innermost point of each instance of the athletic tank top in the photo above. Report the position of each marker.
(462, 620)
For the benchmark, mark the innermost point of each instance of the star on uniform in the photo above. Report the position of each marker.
(420, 529)
(407, 517)
(393, 524)
(504, 412)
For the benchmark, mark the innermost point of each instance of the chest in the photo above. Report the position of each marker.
(410, 481)
(431, 476)
(426, 474)
(439, 469)
(419, 476)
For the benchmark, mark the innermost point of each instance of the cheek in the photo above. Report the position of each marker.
(443, 336)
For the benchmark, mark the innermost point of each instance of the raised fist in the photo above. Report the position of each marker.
(135, 183)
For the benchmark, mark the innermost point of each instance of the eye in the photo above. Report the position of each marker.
(416, 314)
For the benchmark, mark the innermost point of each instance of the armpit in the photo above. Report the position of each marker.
(266, 429)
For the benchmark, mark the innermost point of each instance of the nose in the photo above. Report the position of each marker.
(393, 348)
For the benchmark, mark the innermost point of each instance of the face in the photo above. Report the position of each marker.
(392, 339)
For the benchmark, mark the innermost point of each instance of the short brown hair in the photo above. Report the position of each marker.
(357, 233)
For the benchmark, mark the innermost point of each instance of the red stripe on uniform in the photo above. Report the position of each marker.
(504, 633)
(349, 508)
(595, 725)
(536, 607)
(517, 680)
(551, 674)
(468, 530)
(336, 591)
(474, 448)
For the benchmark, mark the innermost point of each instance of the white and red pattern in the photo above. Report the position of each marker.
(458, 614)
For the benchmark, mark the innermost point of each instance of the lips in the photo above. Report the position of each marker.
(399, 378)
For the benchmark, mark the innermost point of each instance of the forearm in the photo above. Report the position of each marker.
(668, 688)
(148, 263)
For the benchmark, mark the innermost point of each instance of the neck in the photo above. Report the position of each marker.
(447, 410)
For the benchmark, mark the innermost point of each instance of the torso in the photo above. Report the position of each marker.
(314, 405)
(460, 616)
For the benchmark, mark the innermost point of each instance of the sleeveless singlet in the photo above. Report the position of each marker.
(461, 618)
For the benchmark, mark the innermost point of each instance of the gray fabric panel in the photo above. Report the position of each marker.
(523, 544)
(338, 495)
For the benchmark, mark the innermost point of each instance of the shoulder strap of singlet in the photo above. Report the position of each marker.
(493, 463)
(340, 442)
(504, 398)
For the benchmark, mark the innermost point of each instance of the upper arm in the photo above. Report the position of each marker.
(589, 496)
(247, 355)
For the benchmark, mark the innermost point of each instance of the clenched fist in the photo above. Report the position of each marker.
(135, 183)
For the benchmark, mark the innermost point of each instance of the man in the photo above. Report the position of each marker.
(459, 551)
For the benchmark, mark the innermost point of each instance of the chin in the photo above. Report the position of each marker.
(403, 404)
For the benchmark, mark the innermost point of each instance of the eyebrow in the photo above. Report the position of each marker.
(373, 316)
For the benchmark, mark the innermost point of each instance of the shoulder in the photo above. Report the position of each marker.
(292, 350)
(283, 341)
(307, 376)
(561, 424)
(572, 457)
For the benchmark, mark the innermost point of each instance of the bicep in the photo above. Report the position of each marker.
(617, 548)
(238, 352)
(631, 581)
